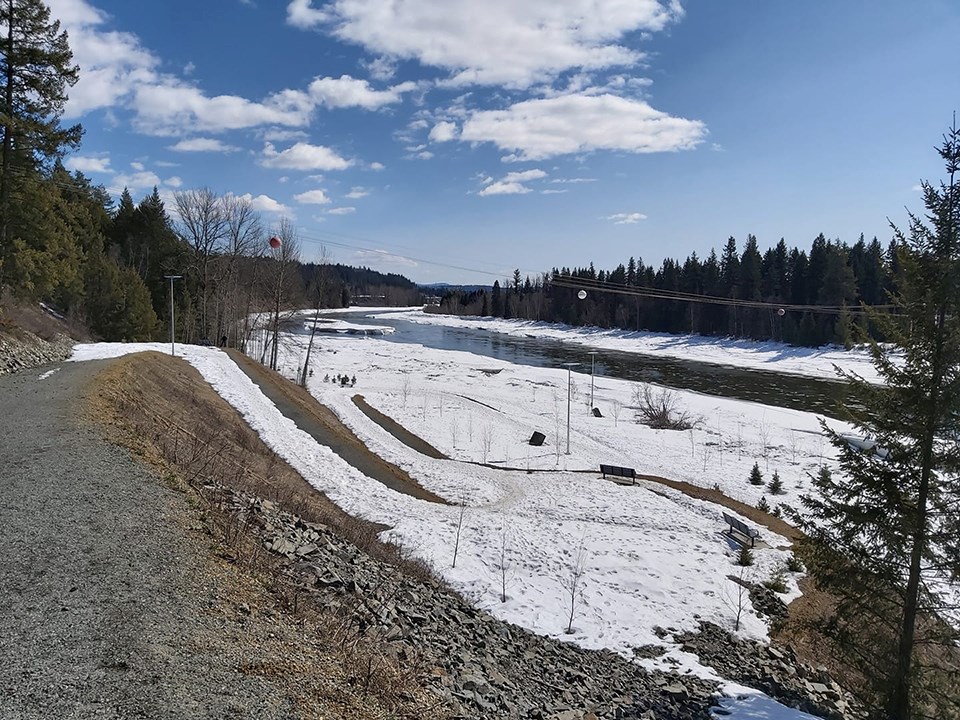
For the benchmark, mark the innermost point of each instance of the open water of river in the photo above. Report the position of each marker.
(790, 391)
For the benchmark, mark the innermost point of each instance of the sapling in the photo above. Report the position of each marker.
(463, 509)
(572, 581)
(763, 505)
(615, 408)
(776, 484)
(486, 441)
(745, 556)
(756, 477)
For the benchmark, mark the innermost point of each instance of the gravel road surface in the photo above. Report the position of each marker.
(111, 605)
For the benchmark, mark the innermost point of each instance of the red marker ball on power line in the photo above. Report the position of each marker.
(275, 242)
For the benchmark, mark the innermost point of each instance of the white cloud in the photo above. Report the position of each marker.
(377, 166)
(341, 211)
(264, 203)
(443, 131)
(512, 183)
(279, 135)
(134, 182)
(505, 188)
(626, 218)
(549, 191)
(381, 68)
(171, 106)
(301, 14)
(574, 180)
(525, 175)
(304, 156)
(88, 164)
(917, 188)
(112, 63)
(357, 193)
(514, 43)
(312, 197)
(543, 128)
(173, 181)
(138, 166)
(203, 145)
(346, 91)
(382, 257)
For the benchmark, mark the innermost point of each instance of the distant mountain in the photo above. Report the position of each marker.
(445, 287)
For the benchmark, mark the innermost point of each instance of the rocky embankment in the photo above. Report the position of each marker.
(480, 667)
(20, 350)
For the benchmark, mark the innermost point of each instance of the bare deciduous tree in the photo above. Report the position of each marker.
(486, 440)
(572, 581)
(463, 510)
(661, 410)
(616, 407)
(202, 223)
(284, 258)
(319, 292)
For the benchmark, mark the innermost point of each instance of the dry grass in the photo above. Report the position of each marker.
(163, 410)
(33, 319)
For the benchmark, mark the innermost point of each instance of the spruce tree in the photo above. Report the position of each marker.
(776, 484)
(756, 477)
(35, 71)
(885, 530)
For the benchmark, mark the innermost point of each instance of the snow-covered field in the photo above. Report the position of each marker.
(652, 557)
(770, 356)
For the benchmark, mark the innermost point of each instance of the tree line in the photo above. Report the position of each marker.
(738, 293)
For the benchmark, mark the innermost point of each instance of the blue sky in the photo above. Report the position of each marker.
(454, 140)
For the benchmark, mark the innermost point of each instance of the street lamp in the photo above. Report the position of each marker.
(593, 357)
(568, 365)
(171, 278)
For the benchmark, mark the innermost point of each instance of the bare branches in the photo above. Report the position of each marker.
(572, 581)
(661, 410)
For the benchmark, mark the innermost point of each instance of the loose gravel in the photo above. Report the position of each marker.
(110, 606)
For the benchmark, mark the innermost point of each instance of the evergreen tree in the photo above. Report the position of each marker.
(775, 485)
(885, 533)
(756, 477)
(496, 300)
(35, 67)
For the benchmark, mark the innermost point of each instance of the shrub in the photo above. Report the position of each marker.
(777, 582)
(756, 477)
(661, 410)
(776, 484)
(745, 557)
(794, 565)
(763, 504)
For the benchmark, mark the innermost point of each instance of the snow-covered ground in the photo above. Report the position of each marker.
(653, 557)
(770, 356)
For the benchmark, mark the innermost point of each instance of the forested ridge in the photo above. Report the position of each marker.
(793, 295)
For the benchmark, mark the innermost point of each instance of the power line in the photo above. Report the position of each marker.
(680, 296)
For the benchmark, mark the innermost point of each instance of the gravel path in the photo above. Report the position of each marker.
(111, 605)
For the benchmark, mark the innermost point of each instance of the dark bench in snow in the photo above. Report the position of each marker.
(617, 471)
(740, 527)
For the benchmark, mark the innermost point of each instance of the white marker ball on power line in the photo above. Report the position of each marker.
(582, 294)
(781, 312)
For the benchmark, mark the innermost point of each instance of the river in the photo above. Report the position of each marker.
(770, 388)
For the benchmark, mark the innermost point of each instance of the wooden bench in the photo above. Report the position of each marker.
(737, 526)
(619, 472)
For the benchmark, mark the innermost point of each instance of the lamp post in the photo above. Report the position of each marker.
(593, 357)
(568, 366)
(171, 278)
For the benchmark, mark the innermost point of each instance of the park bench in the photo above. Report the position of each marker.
(737, 526)
(619, 472)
